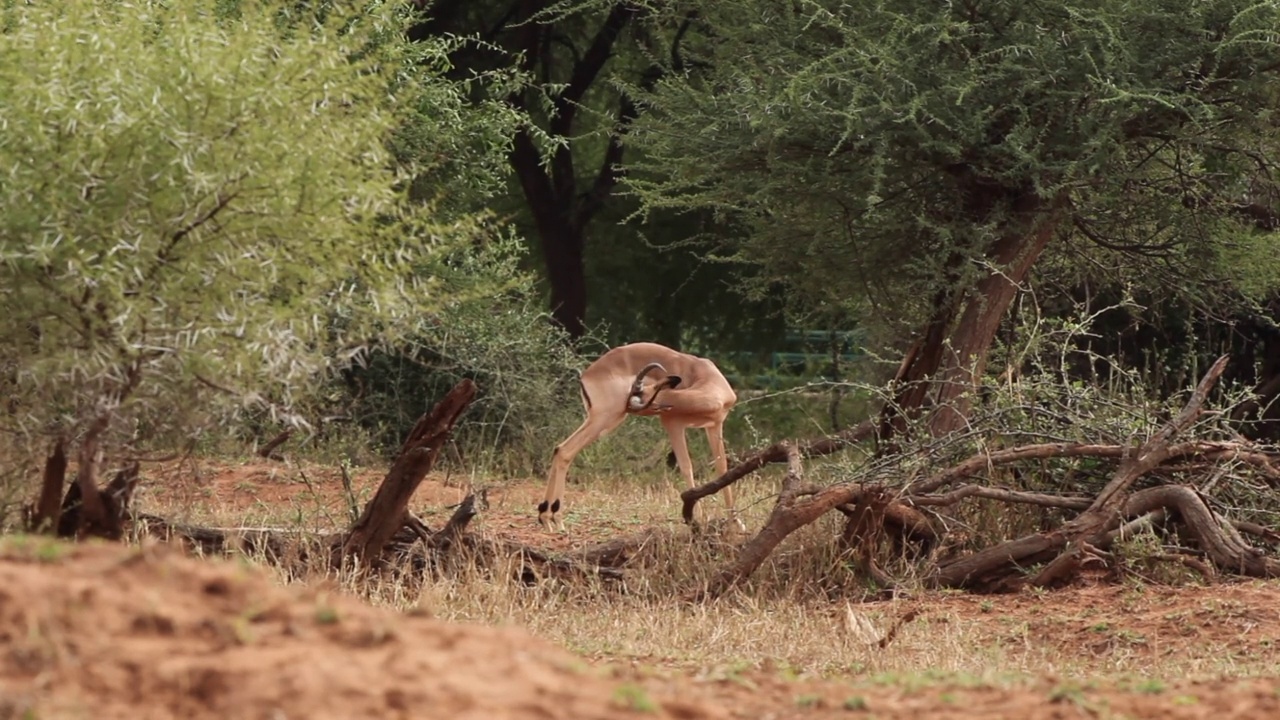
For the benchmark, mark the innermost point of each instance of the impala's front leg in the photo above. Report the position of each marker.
(599, 422)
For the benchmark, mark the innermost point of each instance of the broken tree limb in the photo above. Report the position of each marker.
(1152, 453)
(267, 450)
(1264, 462)
(988, 460)
(385, 514)
(1091, 526)
(1067, 502)
(790, 513)
(776, 453)
(1220, 540)
(862, 534)
(1256, 530)
(49, 506)
(457, 524)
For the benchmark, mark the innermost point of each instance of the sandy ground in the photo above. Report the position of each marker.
(113, 632)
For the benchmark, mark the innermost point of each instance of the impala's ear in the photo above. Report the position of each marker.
(673, 380)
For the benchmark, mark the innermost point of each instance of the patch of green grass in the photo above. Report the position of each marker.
(1149, 686)
(634, 698)
(809, 701)
(40, 548)
(855, 703)
(326, 614)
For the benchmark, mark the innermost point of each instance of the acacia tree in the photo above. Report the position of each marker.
(913, 161)
(203, 213)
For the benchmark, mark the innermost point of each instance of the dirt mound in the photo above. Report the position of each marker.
(112, 632)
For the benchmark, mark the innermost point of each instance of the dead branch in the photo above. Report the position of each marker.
(1218, 538)
(385, 513)
(789, 514)
(775, 453)
(1256, 530)
(49, 507)
(862, 534)
(457, 524)
(267, 450)
(1102, 515)
(1008, 456)
(1205, 569)
(903, 521)
(1206, 451)
(1068, 502)
(1152, 453)
(1262, 462)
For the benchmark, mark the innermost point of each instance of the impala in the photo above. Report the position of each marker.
(694, 394)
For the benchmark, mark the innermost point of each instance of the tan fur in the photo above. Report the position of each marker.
(702, 398)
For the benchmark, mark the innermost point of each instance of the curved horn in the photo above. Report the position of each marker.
(639, 382)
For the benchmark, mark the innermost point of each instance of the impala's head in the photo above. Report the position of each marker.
(636, 401)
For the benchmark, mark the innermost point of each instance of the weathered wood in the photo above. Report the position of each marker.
(987, 460)
(1066, 502)
(775, 453)
(789, 514)
(1220, 540)
(385, 513)
(267, 450)
(49, 507)
(462, 515)
(863, 532)
(1102, 515)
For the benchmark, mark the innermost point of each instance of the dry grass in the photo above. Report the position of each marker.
(792, 620)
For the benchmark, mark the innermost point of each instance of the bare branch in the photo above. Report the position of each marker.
(1069, 502)
(777, 452)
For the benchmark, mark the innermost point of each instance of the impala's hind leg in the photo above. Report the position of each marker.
(715, 438)
(680, 446)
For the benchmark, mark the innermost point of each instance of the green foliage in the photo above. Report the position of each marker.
(872, 152)
(527, 375)
(203, 210)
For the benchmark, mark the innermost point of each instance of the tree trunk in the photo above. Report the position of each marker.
(944, 367)
(966, 356)
(562, 251)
